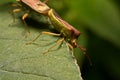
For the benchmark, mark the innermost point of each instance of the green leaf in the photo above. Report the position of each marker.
(19, 61)
(101, 16)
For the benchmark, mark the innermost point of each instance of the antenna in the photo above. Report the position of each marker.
(84, 52)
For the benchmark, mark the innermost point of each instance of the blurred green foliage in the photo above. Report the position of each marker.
(99, 21)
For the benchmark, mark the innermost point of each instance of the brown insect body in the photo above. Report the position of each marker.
(35, 5)
(66, 30)
(69, 33)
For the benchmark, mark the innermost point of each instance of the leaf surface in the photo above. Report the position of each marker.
(19, 61)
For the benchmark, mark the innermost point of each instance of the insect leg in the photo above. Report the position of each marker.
(71, 47)
(27, 29)
(18, 0)
(46, 1)
(58, 42)
(15, 11)
(14, 5)
(50, 33)
(23, 18)
(84, 52)
(44, 32)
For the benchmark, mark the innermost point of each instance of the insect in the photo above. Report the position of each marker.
(29, 5)
(23, 5)
(68, 32)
